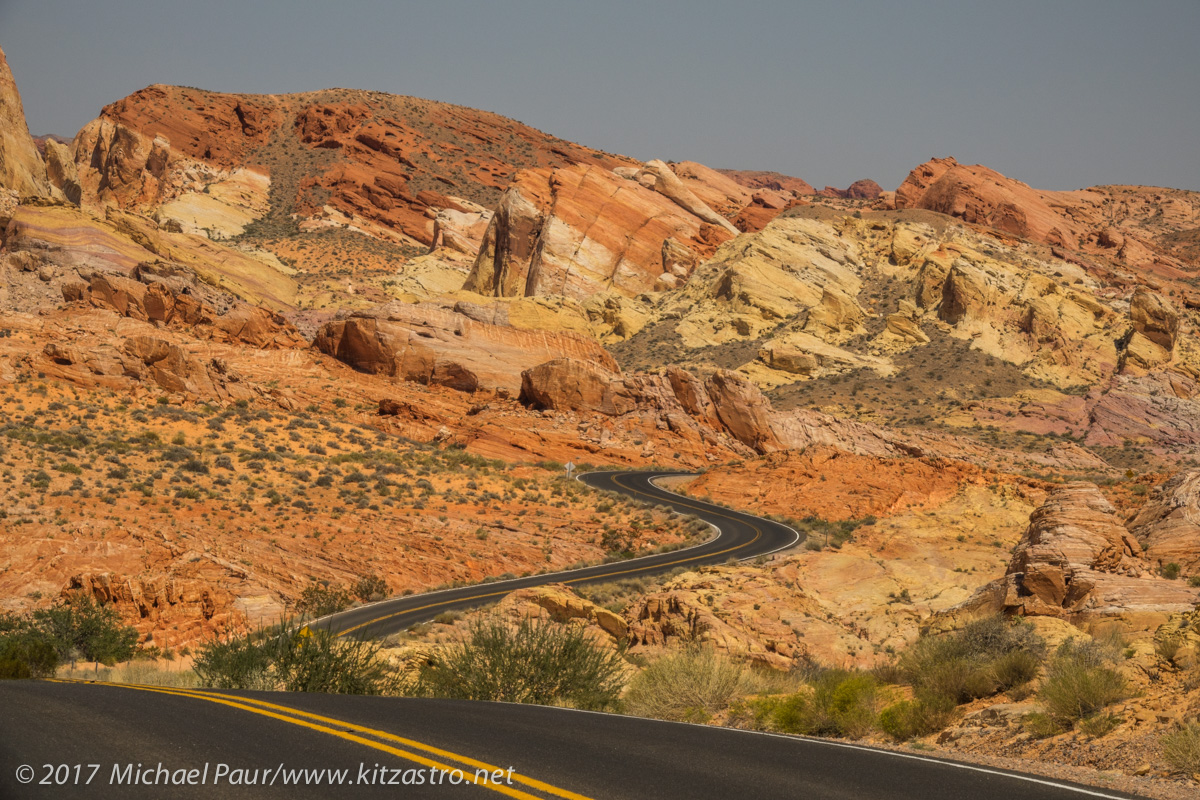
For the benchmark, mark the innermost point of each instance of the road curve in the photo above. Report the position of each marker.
(740, 536)
(554, 753)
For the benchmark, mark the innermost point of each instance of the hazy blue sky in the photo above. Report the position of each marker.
(1058, 93)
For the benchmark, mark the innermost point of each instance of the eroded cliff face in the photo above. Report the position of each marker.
(21, 168)
(1078, 561)
(581, 230)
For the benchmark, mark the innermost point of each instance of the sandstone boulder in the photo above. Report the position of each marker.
(788, 359)
(568, 384)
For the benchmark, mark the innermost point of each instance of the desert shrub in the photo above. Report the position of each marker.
(536, 662)
(308, 660)
(1181, 749)
(1080, 682)
(986, 656)
(839, 703)
(318, 600)
(369, 588)
(295, 660)
(909, 719)
(690, 685)
(243, 662)
(26, 654)
(1099, 725)
(1168, 646)
(80, 627)
(1170, 571)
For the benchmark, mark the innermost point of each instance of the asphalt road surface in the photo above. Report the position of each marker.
(325, 746)
(82, 740)
(741, 536)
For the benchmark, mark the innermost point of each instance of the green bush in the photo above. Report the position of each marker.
(839, 703)
(909, 719)
(32, 646)
(690, 686)
(542, 663)
(1170, 571)
(239, 663)
(79, 627)
(26, 654)
(986, 656)
(1181, 749)
(295, 660)
(1080, 682)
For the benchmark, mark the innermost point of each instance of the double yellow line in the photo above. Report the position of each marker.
(409, 749)
(613, 574)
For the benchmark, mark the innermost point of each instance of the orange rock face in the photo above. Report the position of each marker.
(760, 179)
(386, 160)
(1168, 525)
(1120, 222)
(835, 485)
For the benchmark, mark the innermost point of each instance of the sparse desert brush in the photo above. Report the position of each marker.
(544, 663)
(1181, 749)
(1080, 683)
(837, 703)
(295, 659)
(690, 685)
(909, 719)
(984, 657)
(317, 600)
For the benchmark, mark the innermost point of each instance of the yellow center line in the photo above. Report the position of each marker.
(755, 528)
(290, 714)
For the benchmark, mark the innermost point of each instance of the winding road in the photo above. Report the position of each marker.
(740, 536)
(94, 740)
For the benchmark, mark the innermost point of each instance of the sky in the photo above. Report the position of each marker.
(1061, 94)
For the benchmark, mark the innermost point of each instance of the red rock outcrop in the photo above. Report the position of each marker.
(21, 169)
(726, 403)
(864, 189)
(437, 346)
(387, 161)
(1168, 525)
(1123, 223)
(171, 296)
(762, 179)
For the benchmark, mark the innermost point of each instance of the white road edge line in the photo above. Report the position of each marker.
(580, 569)
(850, 746)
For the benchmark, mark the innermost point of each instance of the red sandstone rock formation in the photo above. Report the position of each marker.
(436, 346)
